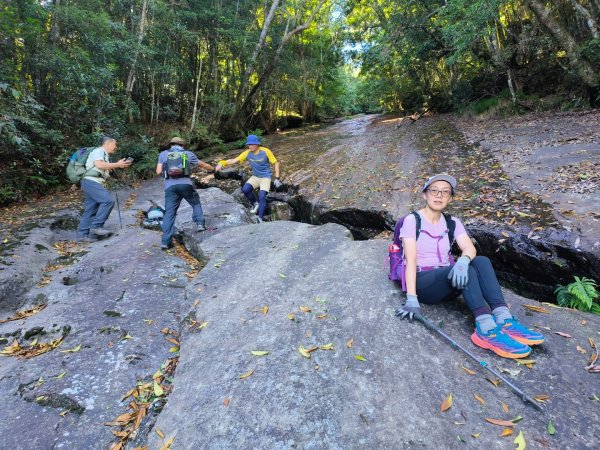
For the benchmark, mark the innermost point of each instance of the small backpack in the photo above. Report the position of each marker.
(177, 165)
(396, 252)
(76, 168)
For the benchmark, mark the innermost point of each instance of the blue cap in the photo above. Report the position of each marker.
(252, 140)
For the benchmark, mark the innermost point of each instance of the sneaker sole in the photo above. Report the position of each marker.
(483, 344)
(525, 341)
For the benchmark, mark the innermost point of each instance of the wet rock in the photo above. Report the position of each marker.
(333, 399)
(33, 332)
(280, 211)
(66, 222)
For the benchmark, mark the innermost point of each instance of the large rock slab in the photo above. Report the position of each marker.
(110, 303)
(367, 171)
(258, 275)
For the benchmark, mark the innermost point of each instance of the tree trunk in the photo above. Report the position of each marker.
(287, 35)
(54, 36)
(589, 20)
(197, 87)
(561, 35)
(136, 53)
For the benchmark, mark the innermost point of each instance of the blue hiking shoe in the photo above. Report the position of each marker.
(498, 342)
(520, 333)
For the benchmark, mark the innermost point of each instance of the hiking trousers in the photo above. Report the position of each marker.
(482, 293)
(96, 208)
(173, 196)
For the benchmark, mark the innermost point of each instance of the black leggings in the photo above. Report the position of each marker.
(482, 293)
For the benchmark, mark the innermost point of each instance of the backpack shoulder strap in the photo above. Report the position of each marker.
(451, 224)
(418, 223)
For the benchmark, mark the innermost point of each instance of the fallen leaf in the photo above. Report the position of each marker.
(160, 433)
(565, 335)
(327, 346)
(321, 316)
(167, 445)
(259, 352)
(506, 432)
(226, 402)
(446, 404)
(469, 371)
(149, 321)
(291, 316)
(500, 422)
(526, 362)
(71, 350)
(505, 407)
(495, 382)
(513, 372)
(196, 302)
(158, 390)
(64, 413)
(551, 429)
(520, 441)
(360, 358)
(460, 439)
(479, 399)
(264, 309)
(247, 374)
(476, 435)
(516, 419)
(542, 397)
(58, 377)
(581, 350)
(305, 309)
(304, 352)
(505, 234)
(282, 275)
(536, 308)
(349, 343)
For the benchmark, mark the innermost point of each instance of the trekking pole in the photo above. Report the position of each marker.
(482, 363)
(119, 210)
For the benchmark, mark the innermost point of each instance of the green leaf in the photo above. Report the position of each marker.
(259, 352)
(551, 429)
(71, 350)
(520, 441)
(58, 377)
(158, 390)
(360, 358)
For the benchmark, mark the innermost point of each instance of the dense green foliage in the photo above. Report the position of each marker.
(447, 54)
(580, 294)
(210, 70)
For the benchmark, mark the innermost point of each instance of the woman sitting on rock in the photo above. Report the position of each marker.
(432, 279)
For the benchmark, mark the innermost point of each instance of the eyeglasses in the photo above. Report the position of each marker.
(437, 193)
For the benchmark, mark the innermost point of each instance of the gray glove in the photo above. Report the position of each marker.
(410, 309)
(277, 183)
(459, 274)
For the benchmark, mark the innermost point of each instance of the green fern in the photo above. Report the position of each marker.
(581, 294)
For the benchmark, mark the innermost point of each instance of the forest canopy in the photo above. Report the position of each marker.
(212, 70)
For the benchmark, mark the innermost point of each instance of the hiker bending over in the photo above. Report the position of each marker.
(98, 201)
(432, 278)
(175, 165)
(260, 159)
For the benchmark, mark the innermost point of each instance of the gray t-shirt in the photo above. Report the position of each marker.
(98, 154)
(193, 159)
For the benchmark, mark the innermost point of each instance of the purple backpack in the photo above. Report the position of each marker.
(396, 252)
